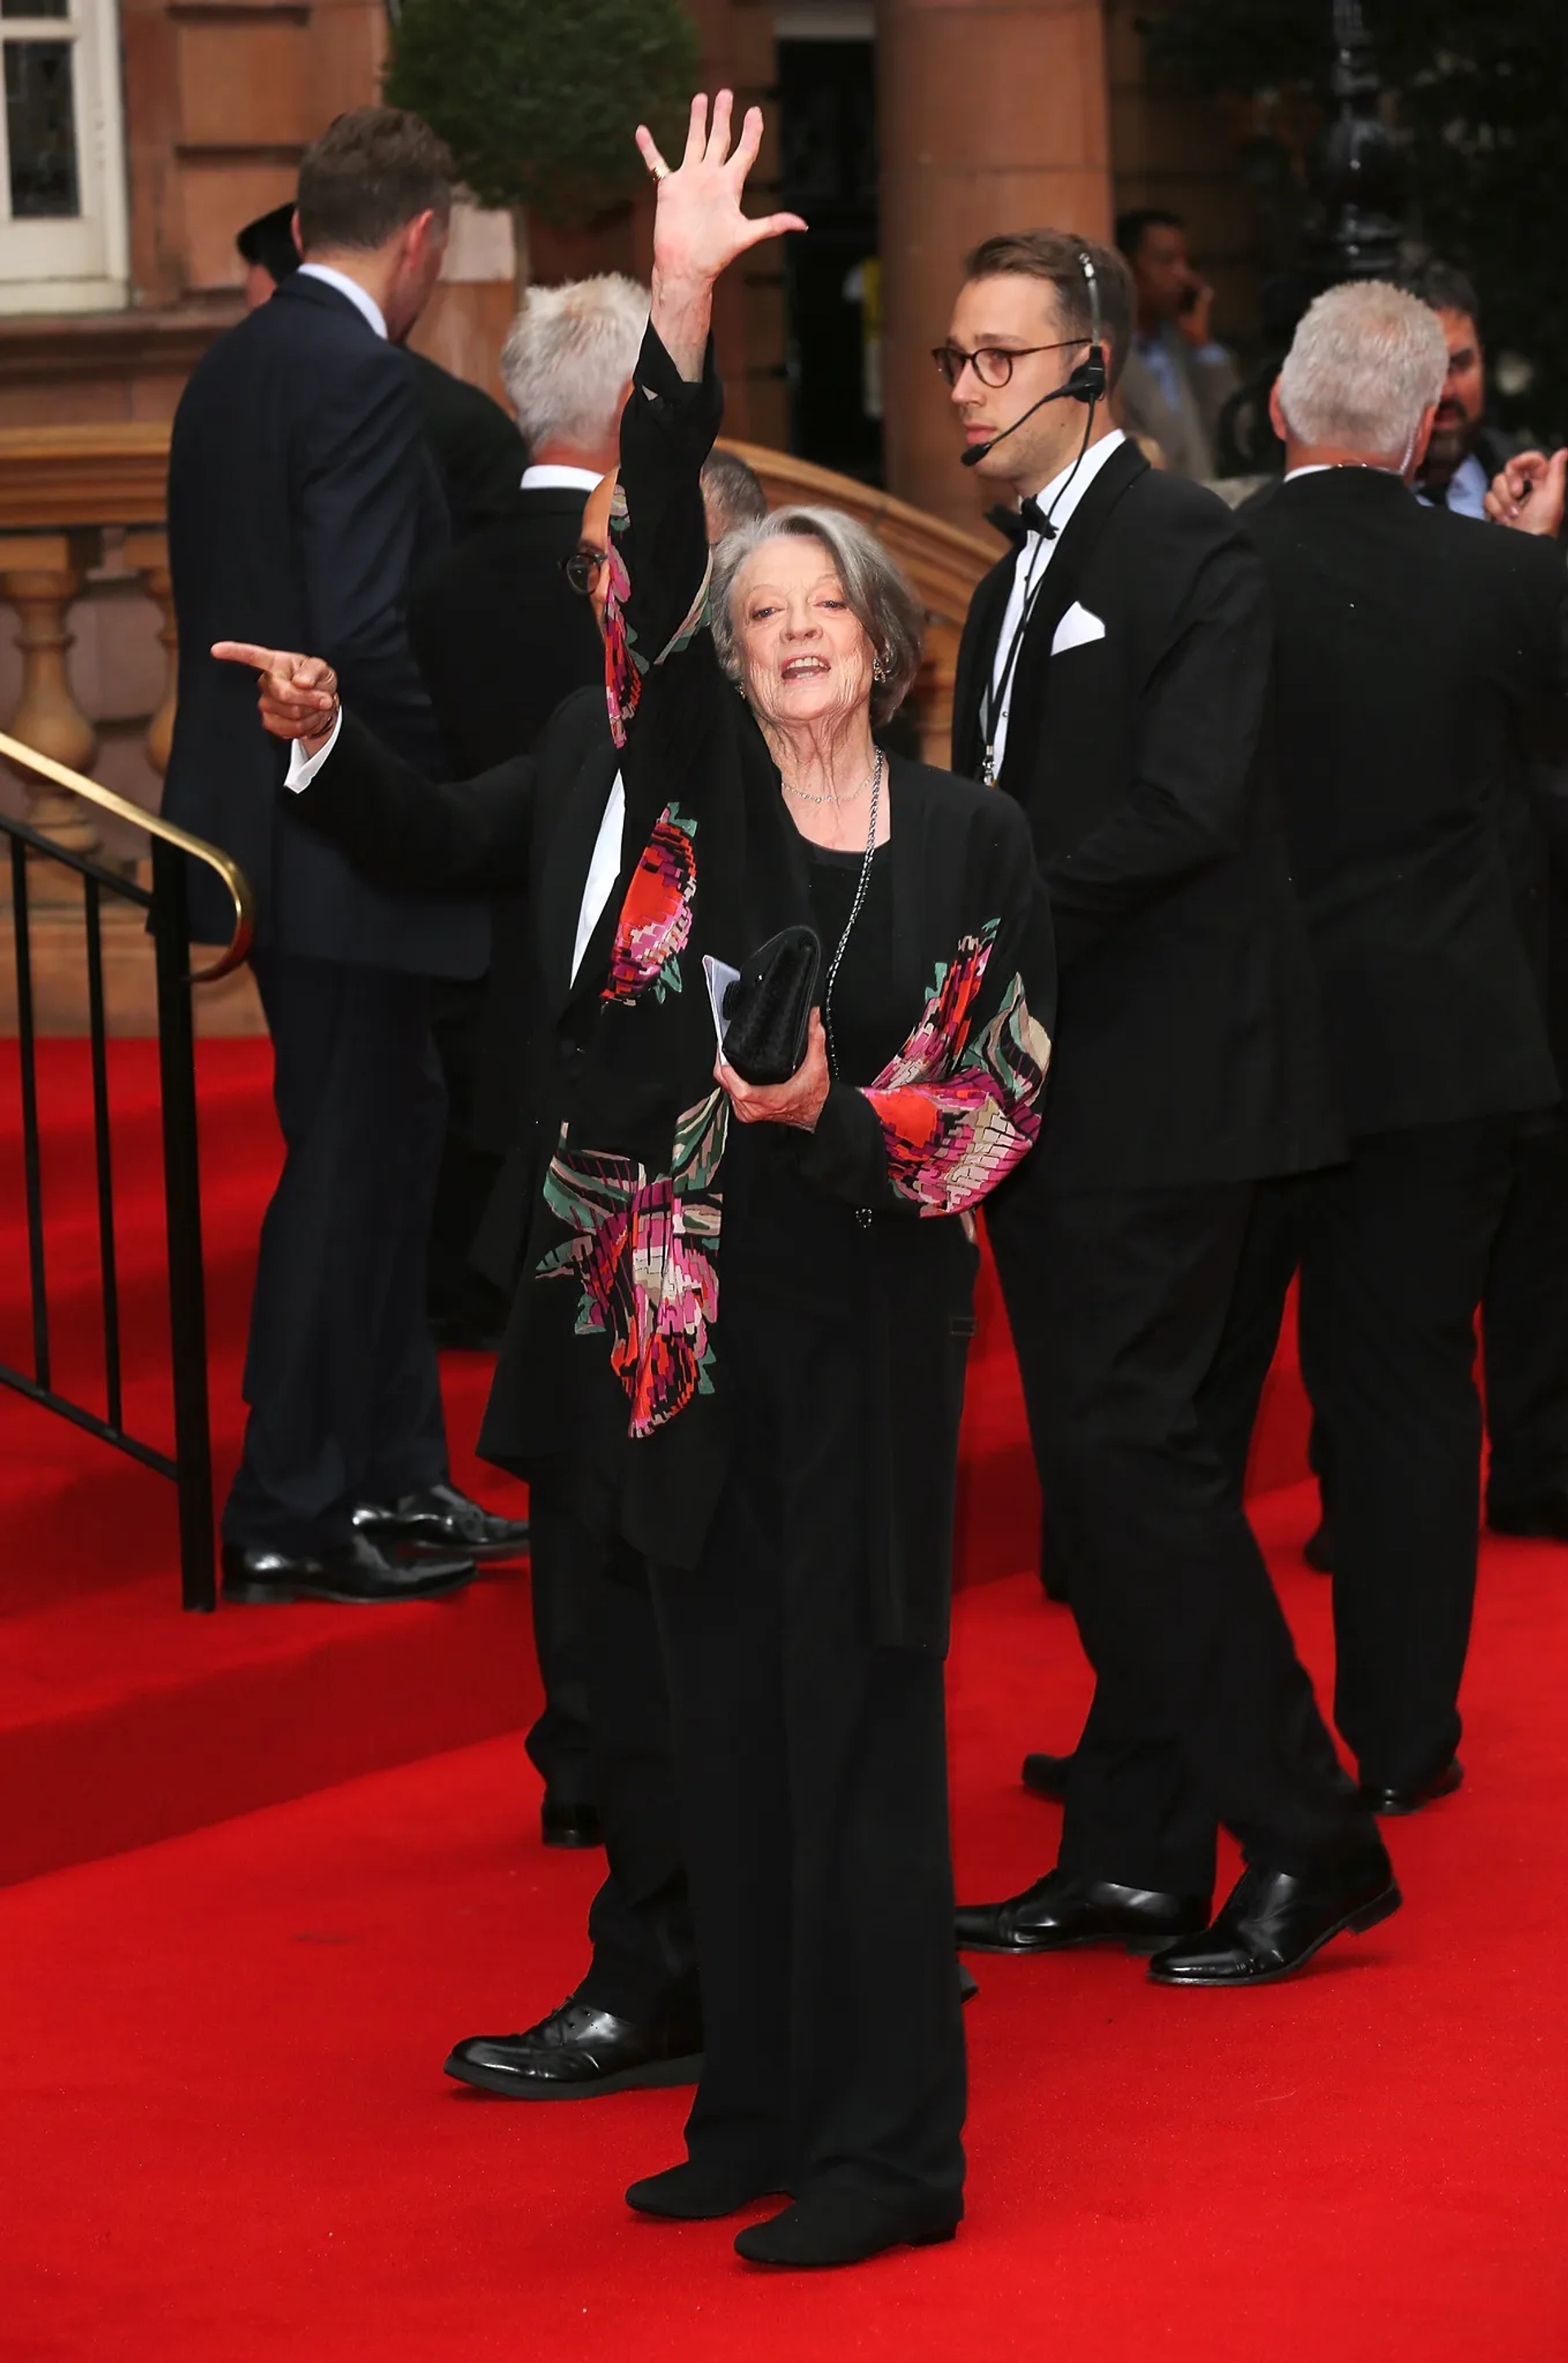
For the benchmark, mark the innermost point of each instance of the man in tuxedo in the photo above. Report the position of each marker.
(477, 451)
(1464, 452)
(300, 490)
(546, 827)
(1176, 379)
(1420, 661)
(1114, 677)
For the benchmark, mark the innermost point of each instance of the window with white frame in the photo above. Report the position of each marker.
(62, 199)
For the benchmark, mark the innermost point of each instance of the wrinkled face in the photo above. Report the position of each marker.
(1463, 395)
(1162, 273)
(806, 657)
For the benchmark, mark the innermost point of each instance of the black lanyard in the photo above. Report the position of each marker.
(994, 704)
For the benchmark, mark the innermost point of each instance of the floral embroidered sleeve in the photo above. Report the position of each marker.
(958, 1108)
(657, 599)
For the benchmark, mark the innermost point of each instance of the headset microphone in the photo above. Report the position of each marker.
(1087, 383)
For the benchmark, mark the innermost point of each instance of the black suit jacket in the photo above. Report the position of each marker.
(500, 636)
(1419, 673)
(301, 490)
(1189, 1044)
(479, 452)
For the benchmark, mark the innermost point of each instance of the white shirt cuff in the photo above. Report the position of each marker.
(303, 768)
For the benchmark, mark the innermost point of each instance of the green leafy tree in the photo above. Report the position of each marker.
(1480, 95)
(538, 99)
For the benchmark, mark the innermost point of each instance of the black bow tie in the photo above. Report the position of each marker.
(1020, 523)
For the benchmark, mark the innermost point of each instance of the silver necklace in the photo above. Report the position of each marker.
(860, 893)
(833, 797)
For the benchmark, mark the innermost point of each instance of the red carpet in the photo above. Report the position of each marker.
(226, 2132)
(227, 2138)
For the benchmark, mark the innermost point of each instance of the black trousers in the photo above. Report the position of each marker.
(1202, 1712)
(1524, 1328)
(1393, 1249)
(460, 1297)
(564, 1567)
(340, 1373)
(813, 1781)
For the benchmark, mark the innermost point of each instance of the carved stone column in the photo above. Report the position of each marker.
(147, 554)
(991, 117)
(41, 574)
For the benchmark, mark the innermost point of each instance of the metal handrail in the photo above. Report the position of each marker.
(60, 776)
(190, 1465)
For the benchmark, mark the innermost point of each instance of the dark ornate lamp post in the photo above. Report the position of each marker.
(1357, 175)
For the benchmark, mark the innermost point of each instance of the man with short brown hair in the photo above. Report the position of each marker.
(300, 491)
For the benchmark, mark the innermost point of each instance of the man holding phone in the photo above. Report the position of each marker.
(1176, 380)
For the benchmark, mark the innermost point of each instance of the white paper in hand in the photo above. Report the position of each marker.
(719, 976)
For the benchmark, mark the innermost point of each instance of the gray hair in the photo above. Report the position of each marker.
(875, 586)
(732, 494)
(569, 354)
(1366, 361)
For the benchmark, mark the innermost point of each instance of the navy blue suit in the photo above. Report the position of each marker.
(301, 493)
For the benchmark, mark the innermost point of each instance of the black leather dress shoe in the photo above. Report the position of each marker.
(844, 2227)
(1414, 1794)
(579, 2053)
(1545, 1517)
(563, 1823)
(1058, 1911)
(439, 1518)
(1047, 1776)
(1272, 1924)
(357, 1571)
(697, 2191)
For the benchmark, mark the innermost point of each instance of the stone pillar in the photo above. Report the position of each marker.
(148, 555)
(41, 574)
(991, 117)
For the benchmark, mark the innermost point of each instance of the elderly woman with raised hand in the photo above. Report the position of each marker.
(745, 1307)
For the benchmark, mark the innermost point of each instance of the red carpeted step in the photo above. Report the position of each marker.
(231, 2142)
(90, 1560)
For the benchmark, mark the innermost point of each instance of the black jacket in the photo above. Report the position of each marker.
(1419, 673)
(500, 636)
(1189, 1044)
(301, 491)
(479, 453)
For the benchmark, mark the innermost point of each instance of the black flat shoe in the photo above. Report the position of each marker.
(578, 2053)
(1394, 1801)
(699, 2192)
(1272, 1924)
(1544, 1519)
(845, 2227)
(1047, 1776)
(1059, 1911)
(439, 1518)
(357, 1572)
(564, 1824)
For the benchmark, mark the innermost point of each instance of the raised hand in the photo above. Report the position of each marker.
(699, 227)
(1529, 492)
(298, 695)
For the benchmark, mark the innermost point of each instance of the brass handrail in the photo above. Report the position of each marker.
(60, 776)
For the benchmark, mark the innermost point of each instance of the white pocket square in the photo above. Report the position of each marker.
(1076, 627)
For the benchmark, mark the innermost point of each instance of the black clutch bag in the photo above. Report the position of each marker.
(768, 1009)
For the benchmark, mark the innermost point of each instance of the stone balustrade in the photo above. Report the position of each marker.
(90, 676)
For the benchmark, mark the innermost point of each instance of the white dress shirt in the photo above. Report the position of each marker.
(1467, 490)
(366, 305)
(1059, 499)
(603, 870)
(554, 476)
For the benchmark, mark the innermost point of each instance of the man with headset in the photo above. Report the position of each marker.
(1114, 677)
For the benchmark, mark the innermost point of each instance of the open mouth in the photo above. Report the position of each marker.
(802, 667)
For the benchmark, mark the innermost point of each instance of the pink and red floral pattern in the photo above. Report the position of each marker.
(656, 917)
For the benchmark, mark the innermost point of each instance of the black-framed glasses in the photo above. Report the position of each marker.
(992, 365)
(582, 569)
